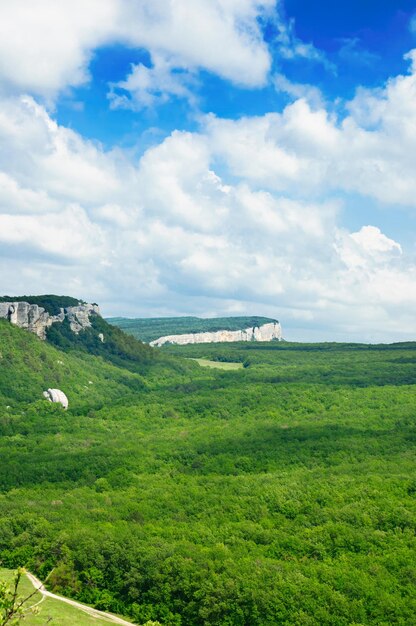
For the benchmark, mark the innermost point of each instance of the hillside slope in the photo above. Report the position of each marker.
(278, 493)
(71, 325)
(29, 366)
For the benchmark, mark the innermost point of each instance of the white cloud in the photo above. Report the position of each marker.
(367, 247)
(287, 146)
(68, 235)
(150, 86)
(46, 45)
(222, 36)
(15, 197)
(374, 243)
(235, 217)
(62, 164)
(305, 150)
(297, 91)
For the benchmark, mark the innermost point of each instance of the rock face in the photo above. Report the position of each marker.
(265, 332)
(79, 316)
(35, 319)
(56, 395)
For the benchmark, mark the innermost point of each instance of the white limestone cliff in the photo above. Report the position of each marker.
(266, 332)
(35, 319)
(79, 316)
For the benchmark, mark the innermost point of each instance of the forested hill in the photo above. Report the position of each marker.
(98, 338)
(149, 329)
(282, 492)
(117, 347)
(34, 365)
(89, 380)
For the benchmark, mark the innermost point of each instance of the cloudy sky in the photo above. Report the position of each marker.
(213, 157)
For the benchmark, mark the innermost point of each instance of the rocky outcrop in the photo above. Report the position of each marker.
(35, 319)
(266, 332)
(56, 395)
(79, 316)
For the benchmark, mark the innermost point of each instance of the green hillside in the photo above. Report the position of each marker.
(117, 347)
(29, 366)
(148, 329)
(282, 492)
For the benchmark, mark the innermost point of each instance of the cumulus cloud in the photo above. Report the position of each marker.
(150, 86)
(202, 222)
(46, 45)
(223, 36)
(242, 216)
(297, 91)
(367, 247)
(306, 150)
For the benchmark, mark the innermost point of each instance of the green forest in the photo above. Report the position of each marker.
(149, 329)
(51, 303)
(282, 492)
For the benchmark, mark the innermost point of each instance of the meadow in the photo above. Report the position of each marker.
(282, 492)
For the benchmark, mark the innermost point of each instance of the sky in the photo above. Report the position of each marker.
(213, 157)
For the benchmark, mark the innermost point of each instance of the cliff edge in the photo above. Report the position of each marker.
(37, 320)
(271, 331)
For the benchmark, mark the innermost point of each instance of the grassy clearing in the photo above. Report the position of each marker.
(221, 365)
(51, 611)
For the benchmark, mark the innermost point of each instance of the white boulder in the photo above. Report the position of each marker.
(56, 395)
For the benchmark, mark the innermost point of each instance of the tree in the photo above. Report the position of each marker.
(12, 609)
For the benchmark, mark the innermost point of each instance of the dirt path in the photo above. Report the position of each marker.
(83, 607)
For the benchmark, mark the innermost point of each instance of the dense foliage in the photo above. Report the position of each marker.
(51, 303)
(116, 346)
(148, 329)
(280, 493)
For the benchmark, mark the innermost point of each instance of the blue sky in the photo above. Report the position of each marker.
(211, 158)
(360, 43)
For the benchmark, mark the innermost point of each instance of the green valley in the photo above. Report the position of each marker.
(281, 492)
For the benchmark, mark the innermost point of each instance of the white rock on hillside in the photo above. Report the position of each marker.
(56, 395)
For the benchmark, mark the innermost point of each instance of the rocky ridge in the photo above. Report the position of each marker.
(266, 332)
(37, 320)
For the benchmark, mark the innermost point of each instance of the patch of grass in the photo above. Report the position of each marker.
(51, 611)
(219, 364)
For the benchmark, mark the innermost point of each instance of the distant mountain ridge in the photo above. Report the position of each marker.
(157, 331)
